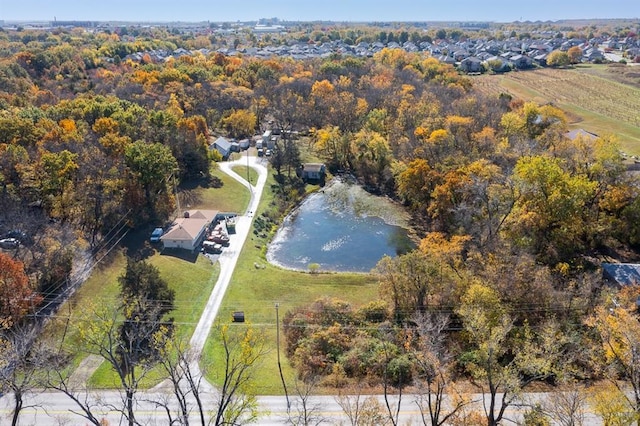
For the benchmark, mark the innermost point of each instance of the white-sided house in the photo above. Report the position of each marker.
(313, 171)
(188, 231)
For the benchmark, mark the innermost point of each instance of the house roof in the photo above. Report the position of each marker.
(574, 134)
(189, 228)
(622, 273)
(222, 143)
(313, 167)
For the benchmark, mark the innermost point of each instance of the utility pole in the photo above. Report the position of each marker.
(284, 384)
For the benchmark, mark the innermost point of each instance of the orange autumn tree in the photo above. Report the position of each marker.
(16, 295)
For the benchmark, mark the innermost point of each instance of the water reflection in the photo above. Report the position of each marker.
(342, 228)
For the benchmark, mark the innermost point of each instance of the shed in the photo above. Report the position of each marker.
(313, 171)
(223, 146)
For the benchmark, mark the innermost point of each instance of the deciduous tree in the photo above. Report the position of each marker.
(17, 297)
(502, 359)
(619, 329)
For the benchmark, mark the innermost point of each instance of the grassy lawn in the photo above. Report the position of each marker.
(253, 290)
(192, 283)
(256, 290)
(246, 172)
(224, 194)
(594, 98)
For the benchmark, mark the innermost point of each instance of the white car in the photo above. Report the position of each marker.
(9, 243)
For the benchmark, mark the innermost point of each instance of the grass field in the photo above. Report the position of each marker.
(256, 290)
(594, 99)
(223, 194)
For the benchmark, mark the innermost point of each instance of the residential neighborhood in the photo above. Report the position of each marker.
(471, 55)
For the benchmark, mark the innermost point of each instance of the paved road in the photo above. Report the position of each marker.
(55, 409)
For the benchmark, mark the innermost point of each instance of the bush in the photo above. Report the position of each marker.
(535, 416)
(376, 311)
(399, 370)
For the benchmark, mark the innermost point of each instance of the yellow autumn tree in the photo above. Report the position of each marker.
(616, 322)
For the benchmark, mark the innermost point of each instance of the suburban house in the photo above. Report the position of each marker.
(621, 274)
(223, 145)
(313, 171)
(593, 55)
(471, 65)
(521, 61)
(188, 231)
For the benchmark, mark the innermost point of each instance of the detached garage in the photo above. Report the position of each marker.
(188, 231)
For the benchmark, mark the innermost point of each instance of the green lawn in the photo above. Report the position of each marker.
(253, 290)
(229, 195)
(246, 172)
(256, 290)
(192, 282)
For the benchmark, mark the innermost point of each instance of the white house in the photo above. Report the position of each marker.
(188, 231)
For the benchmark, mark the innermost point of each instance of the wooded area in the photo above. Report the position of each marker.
(514, 217)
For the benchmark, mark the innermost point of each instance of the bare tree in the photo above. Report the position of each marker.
(179, 364)
(392, 379)
(303, 411)
(242, 352)
(19, 364)
(434, 363)
(59, 379)
(101, 333)
(361, 410)
(567, 407)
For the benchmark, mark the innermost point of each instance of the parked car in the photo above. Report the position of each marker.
(22, 237)
(219, 238)
(156, 234)
(9, 243)
(211, 247)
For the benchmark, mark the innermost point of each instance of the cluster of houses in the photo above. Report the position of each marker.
(264, 144)
(468, 54)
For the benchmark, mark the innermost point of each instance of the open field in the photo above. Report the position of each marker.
(592, 97)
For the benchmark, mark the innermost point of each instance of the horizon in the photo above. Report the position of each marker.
(357, 11)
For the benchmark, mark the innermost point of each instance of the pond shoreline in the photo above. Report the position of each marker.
(343, 229)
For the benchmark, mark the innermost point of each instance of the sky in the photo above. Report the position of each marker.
(311, 10)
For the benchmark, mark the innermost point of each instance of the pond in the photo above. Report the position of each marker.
(341, 228)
